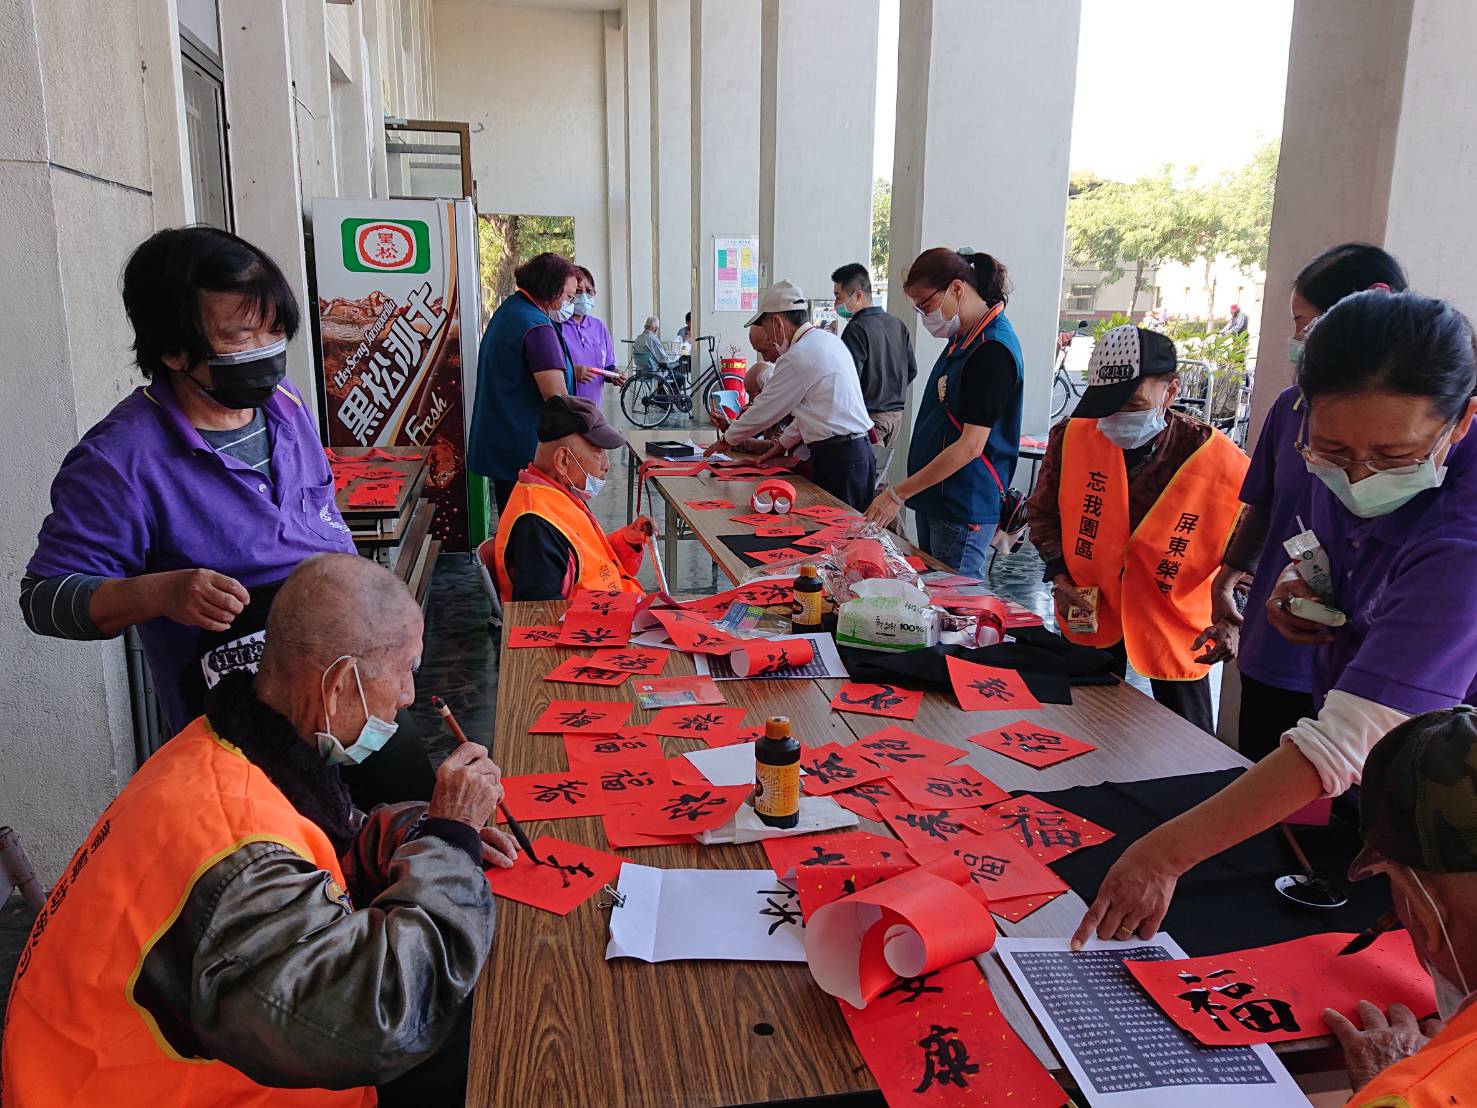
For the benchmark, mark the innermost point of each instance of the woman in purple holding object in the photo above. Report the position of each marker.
(590, 347)
(1276, 675)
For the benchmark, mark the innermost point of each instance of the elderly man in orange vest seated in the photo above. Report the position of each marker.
(232, 931)
(1131, 512)
(1418, 819)
(549, 545)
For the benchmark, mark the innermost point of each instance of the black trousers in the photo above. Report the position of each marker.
(1266, 712)
(847, 470)
(501, 490)
(1190, 700)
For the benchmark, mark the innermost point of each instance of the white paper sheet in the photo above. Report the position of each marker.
(826, 663)
(817, 813)
(734, 915)
(726, 765)
(1133, 1056)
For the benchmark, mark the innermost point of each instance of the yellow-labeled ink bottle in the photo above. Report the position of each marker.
(777, 775)
(808, 603)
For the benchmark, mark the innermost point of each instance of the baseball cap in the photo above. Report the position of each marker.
(576, 415)
(1418, 804)
(1122, 358)
(782, 296)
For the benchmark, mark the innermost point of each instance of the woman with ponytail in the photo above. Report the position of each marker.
(966, 437)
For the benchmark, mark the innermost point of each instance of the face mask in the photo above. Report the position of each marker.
(1294, 350)
(592, 485)
(1449, 997)
(1130, 430)
(372, 736)
(843, 311)
(247, 378)
(561, 313)
(939, 327)
(1379, 494)
(584, 303)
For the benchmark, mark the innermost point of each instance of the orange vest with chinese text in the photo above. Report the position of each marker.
(76, 1032)
(1441, 1075)
(1153, 582)
(596, 564)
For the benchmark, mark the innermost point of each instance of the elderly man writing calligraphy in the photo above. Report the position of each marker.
(233, 932)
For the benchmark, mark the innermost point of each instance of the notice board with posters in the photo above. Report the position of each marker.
(735, 274)
(398, 323)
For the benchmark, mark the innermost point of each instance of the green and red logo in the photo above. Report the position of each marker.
(386, 246)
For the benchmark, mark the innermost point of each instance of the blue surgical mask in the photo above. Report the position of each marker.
(1294, 351)
(372, 736)
(1379, 494)
(1449, 996)
(1130, 430)
(584, 303)
(592, 485)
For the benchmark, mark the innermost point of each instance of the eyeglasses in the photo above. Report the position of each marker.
(1375, 465)
(922, 309)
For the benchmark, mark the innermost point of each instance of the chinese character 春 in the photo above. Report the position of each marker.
(693, 808)
(550, 791)
(936, 825)
(830, 769)
(1187, 523)
(885, 697)
(912, 987)
(578, 717)
(945, 1060)
(699, 722)
(992, 688)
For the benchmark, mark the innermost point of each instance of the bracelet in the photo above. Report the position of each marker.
(896, 499)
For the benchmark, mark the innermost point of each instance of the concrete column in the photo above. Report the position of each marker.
(169, 143)
(372, 20)
(725, 148)
(312, 101)
(351, 104)
(671, 158)
(1345, 75)
(819, 58)
(640, 298)
(76, 173)
(264, 166)
(989, 173)
(615, 277)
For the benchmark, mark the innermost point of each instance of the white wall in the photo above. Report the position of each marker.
(670, 62)
(531, 84)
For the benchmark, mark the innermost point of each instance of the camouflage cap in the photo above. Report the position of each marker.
(1418, 797)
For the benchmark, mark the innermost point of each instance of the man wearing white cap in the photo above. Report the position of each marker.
(814, 381)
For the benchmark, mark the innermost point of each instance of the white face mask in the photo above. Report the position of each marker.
(1379, 494)
(592, 485)
(584, 303)
(1130, 430)
(372, 736)
(562, 312)
(939, 327)
(1449, 997)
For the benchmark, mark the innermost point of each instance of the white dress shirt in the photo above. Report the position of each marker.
(815, 381)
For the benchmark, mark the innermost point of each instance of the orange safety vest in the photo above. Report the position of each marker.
(596, 564)
(1154, 583)
(75, 1033)
(1442, 1074)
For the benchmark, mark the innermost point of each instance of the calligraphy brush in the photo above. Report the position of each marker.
(461, 737)
(1387, 922)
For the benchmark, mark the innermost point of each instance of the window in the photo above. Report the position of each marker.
(205, 126)
(1082, 298)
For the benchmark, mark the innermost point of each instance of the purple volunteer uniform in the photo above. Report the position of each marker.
(1408, 583)
(143, 492)
(589, 344)
(1278, 483)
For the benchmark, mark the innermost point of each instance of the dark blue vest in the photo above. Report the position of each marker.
(970, 495)
(505, 416)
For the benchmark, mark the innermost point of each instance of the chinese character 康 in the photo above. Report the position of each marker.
(945, 1060)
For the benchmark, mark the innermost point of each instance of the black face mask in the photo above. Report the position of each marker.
(247, 378)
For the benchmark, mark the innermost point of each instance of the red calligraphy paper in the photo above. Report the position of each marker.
(583, 671)
(833, 767)
(685, 773)
(717, 726)
(828, 848)
(893, 746)
(957, 786)
(922, 827)
(997, 863)
(629, 785)
(1018, 908)
(620, 830)
(778, 530)
(586, 717)
(769, 557)
(915, 562)
(825, 512)
(1032, 744)
(605, 602)
(864, 798)
(533, 635)
(988, 688)
(570, 875)
(710, 505)
(563, 795)
(585, 627)
(820, 885)
(1045, 830)
(753, 519)
(877, 700)
(624, 747)
(763, 594)
(940, 1041)
(694, 634)
(688, 809)
(762, 657)
(376, 494)
(1273, 994)
(632, 659)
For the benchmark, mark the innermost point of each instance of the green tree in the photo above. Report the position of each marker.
(1111, 224)
(881, 227)
(507, 241)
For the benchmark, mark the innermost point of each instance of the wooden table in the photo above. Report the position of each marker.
(555, 1023)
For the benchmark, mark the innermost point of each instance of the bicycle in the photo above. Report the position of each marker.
(653, 392)
(1064, 389)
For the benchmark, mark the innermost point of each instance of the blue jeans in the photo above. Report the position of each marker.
(961, 546)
